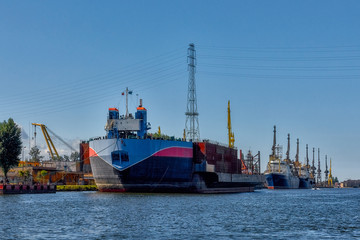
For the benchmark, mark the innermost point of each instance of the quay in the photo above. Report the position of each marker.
(27, 188)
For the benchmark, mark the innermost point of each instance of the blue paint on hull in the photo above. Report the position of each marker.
(281, 181)
(306, 183)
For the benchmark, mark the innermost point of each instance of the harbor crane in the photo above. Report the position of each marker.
(330, 181)
(45, 130)
(230, 133)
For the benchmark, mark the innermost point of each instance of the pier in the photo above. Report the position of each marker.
(19, 188)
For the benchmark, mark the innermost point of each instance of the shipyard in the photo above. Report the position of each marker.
(179, 120)
(115, 163)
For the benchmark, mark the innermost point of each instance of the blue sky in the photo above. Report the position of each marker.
(295, 64)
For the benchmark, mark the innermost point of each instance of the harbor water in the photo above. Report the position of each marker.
(263, 214)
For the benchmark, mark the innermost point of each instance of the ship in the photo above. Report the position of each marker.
(281, 173)
(130, 159)
(306, 180)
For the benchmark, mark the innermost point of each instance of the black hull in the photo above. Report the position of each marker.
(306, 183)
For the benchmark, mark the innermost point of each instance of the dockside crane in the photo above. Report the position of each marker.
(326, 172)
(45, 130)
(319, 169)
(48, 140)
(307, 158)
(288, 148)
(330, 181)
(313, 168)
(230, 133)
(297, 163)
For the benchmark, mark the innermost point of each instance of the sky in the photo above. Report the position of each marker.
(293, 64)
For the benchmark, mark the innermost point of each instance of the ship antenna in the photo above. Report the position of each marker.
(192, 131)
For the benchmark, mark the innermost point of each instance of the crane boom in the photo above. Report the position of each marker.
(48, 140)
(68, 145)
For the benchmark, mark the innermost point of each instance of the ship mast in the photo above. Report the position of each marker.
(127, 92)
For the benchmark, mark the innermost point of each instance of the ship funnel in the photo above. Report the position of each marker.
(140, 103)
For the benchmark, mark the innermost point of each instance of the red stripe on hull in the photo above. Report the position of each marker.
(269, 187)
(175, 152)
(92, 153)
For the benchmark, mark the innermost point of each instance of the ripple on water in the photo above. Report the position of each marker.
(264, 214)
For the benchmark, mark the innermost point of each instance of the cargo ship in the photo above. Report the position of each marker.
(281, 173)
(129, 159)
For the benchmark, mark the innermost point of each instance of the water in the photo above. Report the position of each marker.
(264, 214)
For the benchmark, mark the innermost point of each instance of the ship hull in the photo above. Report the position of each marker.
(281, 181)
(159, 166)
(142, 178)
(306, 183)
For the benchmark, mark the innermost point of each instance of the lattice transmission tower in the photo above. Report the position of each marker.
(192, 122)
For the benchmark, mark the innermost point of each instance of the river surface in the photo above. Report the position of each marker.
(263, 214)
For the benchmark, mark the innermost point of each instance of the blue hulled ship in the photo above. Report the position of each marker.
(129, 159)
(281, 173)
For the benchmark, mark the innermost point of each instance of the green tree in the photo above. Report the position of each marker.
(43, 173)
(75, 156)
(24, 174)
(40, 176)
(35, 154)
(10, 145)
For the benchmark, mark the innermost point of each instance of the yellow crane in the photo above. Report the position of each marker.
(48, 140)
(330, 182)
(230, 133)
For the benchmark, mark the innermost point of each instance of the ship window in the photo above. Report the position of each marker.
(119, 156)
(124, 156)
(115, 156)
